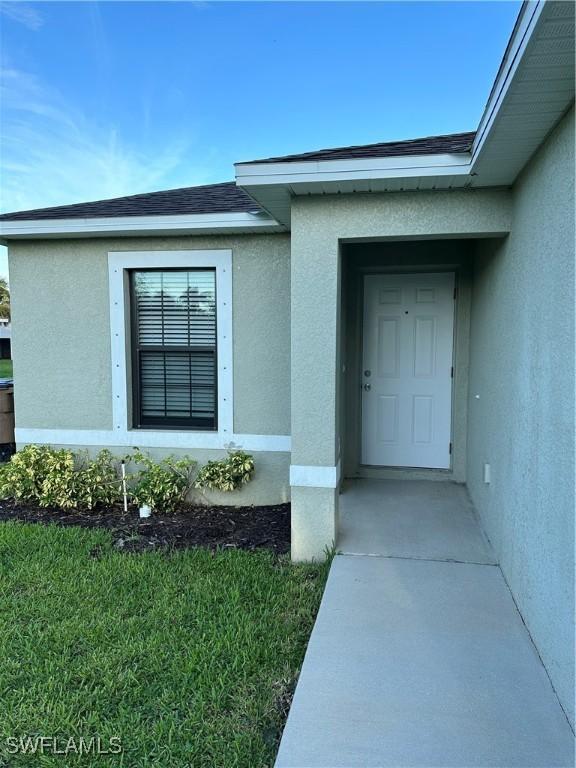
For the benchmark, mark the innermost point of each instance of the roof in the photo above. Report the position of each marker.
(210, 198)
(453, 143)
(227, 197)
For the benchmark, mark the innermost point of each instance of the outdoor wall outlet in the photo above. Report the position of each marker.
(487, 474)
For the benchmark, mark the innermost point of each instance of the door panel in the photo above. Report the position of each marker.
(387, 418)
(388, 347)
(407, 370)
(424, 343)
(422, 419)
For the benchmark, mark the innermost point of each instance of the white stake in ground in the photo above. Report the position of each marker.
(124, 486)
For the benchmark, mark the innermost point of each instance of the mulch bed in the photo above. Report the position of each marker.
(213, 527)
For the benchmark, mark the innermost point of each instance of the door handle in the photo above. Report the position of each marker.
(367, 387)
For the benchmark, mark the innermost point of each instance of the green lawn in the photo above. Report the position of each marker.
(5, 369)
(185, 656)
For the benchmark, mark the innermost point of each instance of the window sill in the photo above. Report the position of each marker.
(143, 438)
(175, 428)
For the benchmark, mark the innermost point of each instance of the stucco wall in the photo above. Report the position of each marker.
(61, 335)
(61, 341)
(522, 369)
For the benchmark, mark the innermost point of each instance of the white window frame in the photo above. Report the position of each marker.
(119, 262)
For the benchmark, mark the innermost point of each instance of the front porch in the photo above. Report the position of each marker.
(416, 519)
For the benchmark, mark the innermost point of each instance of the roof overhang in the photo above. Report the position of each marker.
(272, 185)
(533, 90)
(197, 224)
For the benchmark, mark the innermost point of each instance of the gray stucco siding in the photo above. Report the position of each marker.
(61, 347)
(403, 215)
(261, 290)
(521, 417)
(61, 334)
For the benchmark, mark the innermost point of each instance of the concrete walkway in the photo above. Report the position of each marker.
(421, 662)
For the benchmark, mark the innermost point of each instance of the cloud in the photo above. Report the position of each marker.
(22, 13)
(54, 154)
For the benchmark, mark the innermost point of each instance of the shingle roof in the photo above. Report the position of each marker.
(227, 197)
(211, 198)
(431, 145)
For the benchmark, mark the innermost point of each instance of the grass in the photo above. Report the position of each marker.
(185, 656)
(5, 369)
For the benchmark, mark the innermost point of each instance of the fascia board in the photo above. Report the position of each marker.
(364, 168)
(128, 224)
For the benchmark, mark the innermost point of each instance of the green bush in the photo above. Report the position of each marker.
(59, 486)
(162, 485)
(57, 478)
(23, 476)
(53, 477)
(98, 481)
(226, 474)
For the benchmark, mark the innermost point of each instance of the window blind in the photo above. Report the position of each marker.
(174, 348)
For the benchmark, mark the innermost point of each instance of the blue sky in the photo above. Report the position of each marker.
(113, 98)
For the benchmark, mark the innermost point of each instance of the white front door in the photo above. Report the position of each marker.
(407, 370)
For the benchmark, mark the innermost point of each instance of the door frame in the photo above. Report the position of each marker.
(459, 262)
(453, 346)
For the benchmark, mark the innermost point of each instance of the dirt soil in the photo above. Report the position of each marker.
(205, 526)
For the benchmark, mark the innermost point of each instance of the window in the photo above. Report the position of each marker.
(163, 425)
(174, 356)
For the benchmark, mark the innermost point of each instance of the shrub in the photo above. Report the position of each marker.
(98, 481)
(23, 476)
(53, 477)
(163, 485)
(226, 474)
(59, 486)
(58, 478)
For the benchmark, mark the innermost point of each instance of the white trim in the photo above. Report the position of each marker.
(373, 168)
(314, 477)
(221, 260)
(144, 438)
(526, 23)
(196, 223)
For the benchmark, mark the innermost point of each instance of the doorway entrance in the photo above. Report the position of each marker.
(407, 370)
